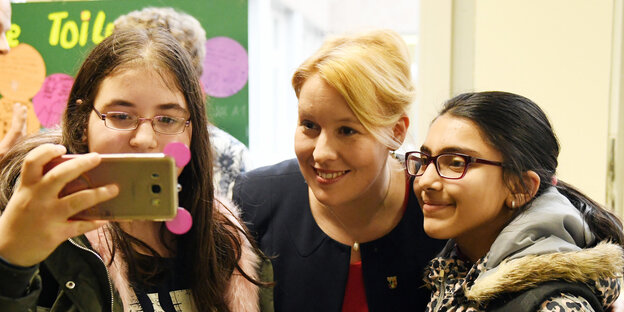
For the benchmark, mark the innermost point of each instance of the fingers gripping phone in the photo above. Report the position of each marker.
(147, 186)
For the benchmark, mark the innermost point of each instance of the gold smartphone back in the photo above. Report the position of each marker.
(147, 187)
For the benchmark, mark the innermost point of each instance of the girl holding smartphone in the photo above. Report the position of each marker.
(50, 261)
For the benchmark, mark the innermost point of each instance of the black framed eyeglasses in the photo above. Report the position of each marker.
(126, 121)
(448, 165)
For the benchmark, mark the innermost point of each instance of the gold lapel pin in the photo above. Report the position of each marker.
(392, 282)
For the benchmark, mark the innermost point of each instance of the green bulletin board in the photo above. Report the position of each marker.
(63, 32)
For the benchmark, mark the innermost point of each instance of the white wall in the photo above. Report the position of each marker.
(279, 40)
(349, 15)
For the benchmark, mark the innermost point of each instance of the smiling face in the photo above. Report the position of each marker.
(341, 162)
(472, 209)
(145, 94)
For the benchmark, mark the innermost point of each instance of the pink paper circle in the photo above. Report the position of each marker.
(180, 152)
(181, 223)
(51, 100)
(225, 67)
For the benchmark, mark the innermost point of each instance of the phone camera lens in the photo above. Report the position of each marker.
(155, 188)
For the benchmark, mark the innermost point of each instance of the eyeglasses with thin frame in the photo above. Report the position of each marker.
(126, 121)
(448, 165)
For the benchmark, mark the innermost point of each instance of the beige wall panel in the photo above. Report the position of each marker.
(433, 86)
(557, 53)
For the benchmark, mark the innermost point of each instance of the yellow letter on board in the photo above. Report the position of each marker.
(55, 30)
(70, 26)
(13, 34)
(98, 25)
(85, 16)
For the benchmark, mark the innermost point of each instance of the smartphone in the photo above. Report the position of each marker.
(148, 188)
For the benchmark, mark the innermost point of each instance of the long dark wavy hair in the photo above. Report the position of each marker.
(521, 132)
(212, 248)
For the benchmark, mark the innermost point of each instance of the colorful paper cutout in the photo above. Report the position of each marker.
(225, 67)
(182, 222)
(51, 100)
(180, 152)
(22, 72)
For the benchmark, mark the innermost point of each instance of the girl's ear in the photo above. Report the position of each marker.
(532, 182)
(400, 128)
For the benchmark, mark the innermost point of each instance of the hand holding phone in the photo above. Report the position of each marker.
(35, 220)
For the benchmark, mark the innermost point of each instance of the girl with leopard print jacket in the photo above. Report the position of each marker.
(548, 242)
(516, 234)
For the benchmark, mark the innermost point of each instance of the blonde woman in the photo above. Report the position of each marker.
(341, 221)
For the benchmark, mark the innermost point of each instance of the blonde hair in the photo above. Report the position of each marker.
(371, 71)
(185, 28)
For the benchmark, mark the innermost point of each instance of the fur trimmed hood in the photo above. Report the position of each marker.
(546, 242)
(604, 261)
(549, 241)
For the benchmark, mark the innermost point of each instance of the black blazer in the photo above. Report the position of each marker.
(310, 268)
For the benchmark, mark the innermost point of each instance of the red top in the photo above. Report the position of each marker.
(355, 295)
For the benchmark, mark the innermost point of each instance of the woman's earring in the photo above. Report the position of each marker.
(399, 157)
(513, 204)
